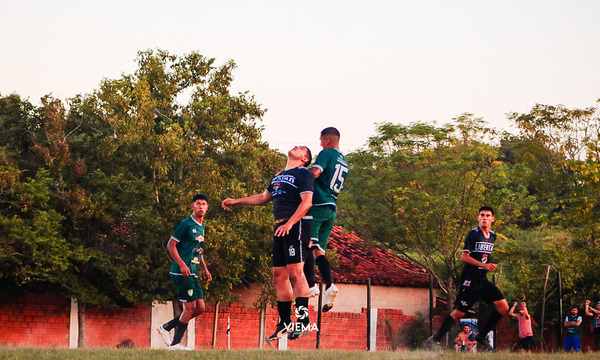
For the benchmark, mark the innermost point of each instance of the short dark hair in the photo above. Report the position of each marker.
(330, 131)
(308, 155)
(199, 197)
(486, 208)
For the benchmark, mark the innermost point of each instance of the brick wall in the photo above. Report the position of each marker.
(128, 327)
(43, 321)
(340, 331)
(34, 320)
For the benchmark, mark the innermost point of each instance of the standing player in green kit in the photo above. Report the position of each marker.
(185, 247)
(330, 170)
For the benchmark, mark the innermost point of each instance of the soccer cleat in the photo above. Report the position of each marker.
(313, 291)
(279, 331)
(483, 343)
(330, 295)
(432, 345)
(294, 334)
(164, 334)
(297, 332)
(179, 347)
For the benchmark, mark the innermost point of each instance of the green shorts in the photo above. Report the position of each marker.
(322, 224)
(188, 288)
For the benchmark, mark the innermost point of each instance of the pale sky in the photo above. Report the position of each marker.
(315, 64)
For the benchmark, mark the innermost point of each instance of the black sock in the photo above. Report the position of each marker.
(495, 316)
(324, 270)
(284, 308)
(309, 269)
(302, 309)
(179, 331)
(171, 324)
(446, 325)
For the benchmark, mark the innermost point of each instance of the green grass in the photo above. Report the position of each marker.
(133, 354)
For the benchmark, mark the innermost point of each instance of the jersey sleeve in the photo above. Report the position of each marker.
(322, 160)
(306, 181)
(469, 242)
(180, 232)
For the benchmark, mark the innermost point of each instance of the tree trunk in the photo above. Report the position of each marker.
(450, 295)
(81, 318)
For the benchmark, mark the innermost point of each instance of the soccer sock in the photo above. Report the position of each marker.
(302, 304)
(171, 324)
(284, 308)
(495, 316)
(446, 325)
(309, 269)
(179, 331)
(324, 270)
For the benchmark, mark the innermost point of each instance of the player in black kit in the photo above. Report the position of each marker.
(479, 244)
(291, 192)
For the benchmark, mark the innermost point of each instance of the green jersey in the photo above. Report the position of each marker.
(189, 236)
(334, 170)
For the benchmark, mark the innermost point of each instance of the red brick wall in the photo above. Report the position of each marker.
(111, 327)
(43, 321)
(34, 320)
(340, 331)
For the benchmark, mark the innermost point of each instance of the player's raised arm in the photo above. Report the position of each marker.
(254, 200)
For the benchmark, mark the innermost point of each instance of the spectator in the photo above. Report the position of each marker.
(573, 324)
(525, 331)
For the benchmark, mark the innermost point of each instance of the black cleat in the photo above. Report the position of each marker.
(297, 332)
(279, 331)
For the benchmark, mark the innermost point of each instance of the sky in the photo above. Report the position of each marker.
(313, 64)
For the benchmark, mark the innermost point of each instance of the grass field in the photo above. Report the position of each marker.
(134, 354)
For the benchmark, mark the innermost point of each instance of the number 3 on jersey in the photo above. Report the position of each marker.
(337, 180)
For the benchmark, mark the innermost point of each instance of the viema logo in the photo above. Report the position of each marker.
(301, 328)
(301, 312)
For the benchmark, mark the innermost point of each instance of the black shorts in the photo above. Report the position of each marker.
(468, 294)
(292, 248)
(526, 342)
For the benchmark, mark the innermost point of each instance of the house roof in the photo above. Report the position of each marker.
(359, 261)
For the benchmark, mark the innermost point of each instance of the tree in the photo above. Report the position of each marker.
(559, 147)
(418, 188)
(116, 170)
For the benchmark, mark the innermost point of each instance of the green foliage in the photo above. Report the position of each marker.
(417, 332)
(101, 182)
(428, 182)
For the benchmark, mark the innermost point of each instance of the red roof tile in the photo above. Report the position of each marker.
(359, 261)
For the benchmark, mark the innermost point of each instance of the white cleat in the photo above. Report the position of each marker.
(330, 295)
(164, 334)
(179, 347)
(313, 291)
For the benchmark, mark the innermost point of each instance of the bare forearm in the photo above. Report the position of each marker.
(467, 259)
(203, 264)
(254, 200)
(172, 248)
(300, 211)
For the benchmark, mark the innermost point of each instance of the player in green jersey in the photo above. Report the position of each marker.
(185, 247)
(330, 170)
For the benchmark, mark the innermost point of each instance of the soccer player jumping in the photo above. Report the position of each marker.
(330, 171)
